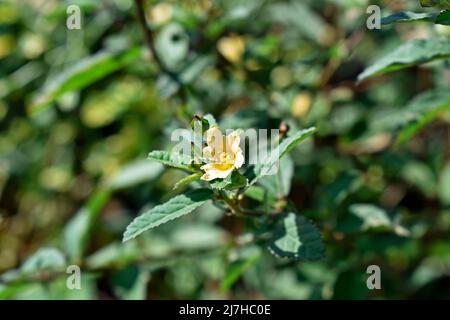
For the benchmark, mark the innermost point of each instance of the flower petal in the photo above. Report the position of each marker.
(208, 153)
(239, 159)
(233, 141)
(214, 139)
(215, 171)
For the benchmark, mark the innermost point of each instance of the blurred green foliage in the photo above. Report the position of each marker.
(81, 109)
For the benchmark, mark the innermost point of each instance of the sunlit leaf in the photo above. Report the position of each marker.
(232, 182)
(48, 259)
(367, 217)
(444, 185)
(268, 165)
(172, 209)
(421, 176)
(371, 216)
(77, 231)
(134, 173)
(237, 268)
(175, 160)
(297, 238)
(408, 16)
(83, 74)
(422, 110)
(409, 54)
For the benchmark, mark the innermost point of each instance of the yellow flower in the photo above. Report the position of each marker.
(223, 154)
(161, 13)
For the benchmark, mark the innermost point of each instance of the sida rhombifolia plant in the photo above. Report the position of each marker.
(217, 164)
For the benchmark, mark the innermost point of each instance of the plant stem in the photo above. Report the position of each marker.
(236, 209)
(150, 40)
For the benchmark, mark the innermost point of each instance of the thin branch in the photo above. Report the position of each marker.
(236, 209)
(150, 39)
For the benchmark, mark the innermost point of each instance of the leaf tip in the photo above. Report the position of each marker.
(129, 234)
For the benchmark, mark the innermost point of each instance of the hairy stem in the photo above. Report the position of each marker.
(236, 209)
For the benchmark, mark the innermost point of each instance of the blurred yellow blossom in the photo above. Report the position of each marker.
(232, 47)
(301, 104)
(160, 13)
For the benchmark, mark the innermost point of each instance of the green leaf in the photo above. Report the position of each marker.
(81, 75)
(297, 238)
(197, 236)
(421, 176)
(175, 160)
(280, 184)
(366, 217)
(256, 193)
(408, 16)
(48, 259)
(232, 182)
(8, 292)
(444, 185)
(430, 269)
(76, 232)
(194, 68)
(130, 283)
(267, 165)
(134, 173)
(174, 208)
(237, 269)
(421, 111)
(298, 16)
(370, 216)
(409, 54)
(115, 255)
(285, 284)
(172, 44)
(333, 194)
(443, 18)
(45, 259)
(409, 120)
(210, 118)
(435, 3)
(292, 141)
(202, 122)
(199, 126)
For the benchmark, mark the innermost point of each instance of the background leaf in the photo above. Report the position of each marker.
(411, 53)
(268, 165)
(408, 16)
(422, 111)
(443, 18)
(133, 174)
(297, 238)
(77, 230)
(48, 259)
(435, 3)
(82, 74)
